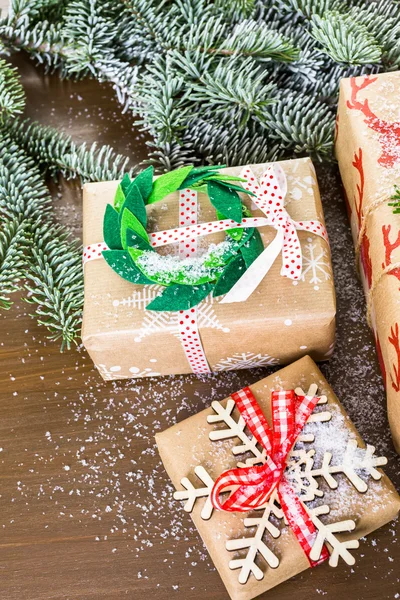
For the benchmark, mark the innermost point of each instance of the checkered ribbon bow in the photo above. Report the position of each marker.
(254, 485)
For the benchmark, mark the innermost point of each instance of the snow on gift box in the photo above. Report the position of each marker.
(178, 268)
(303, 486)
(368, 151)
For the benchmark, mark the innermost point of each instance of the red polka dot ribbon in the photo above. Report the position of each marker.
(93, 252)
(187, 319)
(252, 487)
(269, 197)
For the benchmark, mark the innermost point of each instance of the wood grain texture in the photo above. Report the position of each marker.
(86, 507)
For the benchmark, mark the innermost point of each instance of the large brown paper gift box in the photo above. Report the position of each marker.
(280, 322)
(187, 445)
(368, 151)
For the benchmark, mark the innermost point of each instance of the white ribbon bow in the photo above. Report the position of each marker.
(269, 197)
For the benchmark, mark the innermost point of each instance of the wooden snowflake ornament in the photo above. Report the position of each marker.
(191, 494)
(304, 468)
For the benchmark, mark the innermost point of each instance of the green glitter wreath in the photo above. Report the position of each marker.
(187, 282)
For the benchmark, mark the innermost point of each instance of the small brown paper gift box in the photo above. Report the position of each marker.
(368, 151)
(125, 340)
(187, 446)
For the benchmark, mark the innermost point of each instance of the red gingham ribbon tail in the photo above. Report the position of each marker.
(254, 417)
(300, 522)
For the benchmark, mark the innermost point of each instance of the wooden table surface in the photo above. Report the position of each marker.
(85, 505)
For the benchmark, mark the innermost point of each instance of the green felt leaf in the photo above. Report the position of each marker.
(225, 200)
(125, 183)
(219, 177)
(168, 183)
(121, 263)
(135, 203)
(236, 188)
(133, 239)
(200, 188)
(232, 273)
(235, 234)
(129, 220)
(206, 168)
(252, 248)
(119, 198)
(144, 181)
(191, 180)
(180, 297)
(111, 232)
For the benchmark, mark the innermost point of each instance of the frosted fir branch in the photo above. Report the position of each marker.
(23, 194)
(301, 124)
(250, 38)
(55, 283)
(12, 96)
(13, 245)
(344, 39)
(226, 145)
(308, 8)
(160, 102)
(57, 154)
(236, 9)
(43, 41)
(382, 20)
(90, 30)
(233, 92)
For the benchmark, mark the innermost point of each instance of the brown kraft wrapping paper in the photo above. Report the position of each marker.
(187, 444)
(368, 151)
(125, 340)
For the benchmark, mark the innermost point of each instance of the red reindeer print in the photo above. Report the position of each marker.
(358, 201)
(389, 133)
(336, 128)
(389, 248)
(366, 259)
(380, 359)
(394, 341)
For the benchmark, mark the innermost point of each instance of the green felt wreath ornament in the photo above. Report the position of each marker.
(187, 282)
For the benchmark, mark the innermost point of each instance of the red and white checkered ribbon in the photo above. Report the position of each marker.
(253, 486)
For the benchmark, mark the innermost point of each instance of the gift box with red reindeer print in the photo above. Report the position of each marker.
(368, 151)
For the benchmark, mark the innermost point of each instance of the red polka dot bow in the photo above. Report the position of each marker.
(252, 486)
(270, 195)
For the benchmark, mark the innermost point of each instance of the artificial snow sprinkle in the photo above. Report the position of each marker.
(194, 268)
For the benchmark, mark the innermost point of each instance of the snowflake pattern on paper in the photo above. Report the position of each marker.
(299, 186)
(245, 360)
(316, 264)
(307, 464)
(154, 321)
(110, 373)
